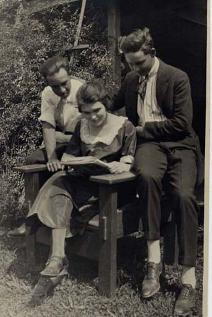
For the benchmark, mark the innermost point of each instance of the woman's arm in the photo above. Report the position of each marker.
(128, 150)
(66, 157)
(129, 143)
(62, 137)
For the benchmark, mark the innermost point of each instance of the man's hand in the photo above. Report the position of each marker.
(139, 130)
(118, 167)
(54, 165)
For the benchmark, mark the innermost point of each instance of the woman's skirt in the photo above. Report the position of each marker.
(63, 197)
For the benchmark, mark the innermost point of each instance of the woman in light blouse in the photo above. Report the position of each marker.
(66, 196)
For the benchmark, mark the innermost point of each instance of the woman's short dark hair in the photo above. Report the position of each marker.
(139, 39)
(92, 92)
(53, 65)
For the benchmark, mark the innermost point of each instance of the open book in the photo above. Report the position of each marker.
(85, 160)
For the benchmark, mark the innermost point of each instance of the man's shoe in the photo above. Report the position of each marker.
(151, 283)
(19, 231)
(185, 302)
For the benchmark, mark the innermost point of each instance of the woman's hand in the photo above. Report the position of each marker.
(54, 165)
(118, 167)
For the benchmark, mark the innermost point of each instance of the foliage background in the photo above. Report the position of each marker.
(25, 42)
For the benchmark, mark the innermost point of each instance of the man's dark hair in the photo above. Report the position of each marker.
(53, 65)
(140, 39)
(92, 92)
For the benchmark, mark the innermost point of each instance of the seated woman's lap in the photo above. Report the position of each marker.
(56, 199)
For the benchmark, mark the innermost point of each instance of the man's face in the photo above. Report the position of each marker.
(139, 62)
(60, 83)
(95, 113)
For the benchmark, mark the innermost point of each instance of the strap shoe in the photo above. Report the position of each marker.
(55, 266)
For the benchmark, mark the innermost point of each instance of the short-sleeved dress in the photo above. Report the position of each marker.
(67, 194)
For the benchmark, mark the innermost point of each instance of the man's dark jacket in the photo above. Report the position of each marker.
(173, 95)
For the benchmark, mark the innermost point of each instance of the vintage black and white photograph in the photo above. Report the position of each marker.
(102, 158)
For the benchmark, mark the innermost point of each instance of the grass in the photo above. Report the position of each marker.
(77, 295)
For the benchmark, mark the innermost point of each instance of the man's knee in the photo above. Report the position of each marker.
(36, 157)
(146, 177)
(182, 196)
(30, 160)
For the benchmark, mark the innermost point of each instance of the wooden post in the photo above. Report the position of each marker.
(108, 240)
(113, 34)
(79, 26)
(32, 186)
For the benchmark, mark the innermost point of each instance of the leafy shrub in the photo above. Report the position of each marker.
(25, 42)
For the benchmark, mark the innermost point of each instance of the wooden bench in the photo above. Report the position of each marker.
(100, 239)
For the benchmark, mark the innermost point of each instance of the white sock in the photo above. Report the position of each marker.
(188, 276)
(154, 251)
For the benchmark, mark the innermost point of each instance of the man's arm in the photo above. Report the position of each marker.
(49, 137)
(119, 98)
(47, 119)
(179, 125)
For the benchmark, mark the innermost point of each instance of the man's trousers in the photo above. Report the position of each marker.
(174, 171)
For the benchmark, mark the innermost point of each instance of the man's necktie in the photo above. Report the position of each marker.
(140, 105)
(59, 115)
(142, 86)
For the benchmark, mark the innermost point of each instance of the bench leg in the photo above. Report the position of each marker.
(31, 251)
(32, 186)
(108, 240)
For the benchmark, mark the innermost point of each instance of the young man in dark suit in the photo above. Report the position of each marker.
(157, 100)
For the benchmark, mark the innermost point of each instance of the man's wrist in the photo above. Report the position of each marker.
(68, 137)
(139, 130)
(52, 157)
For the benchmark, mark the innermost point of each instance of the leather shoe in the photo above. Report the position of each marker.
(19, 231)
(151, 283)
(185, 302)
